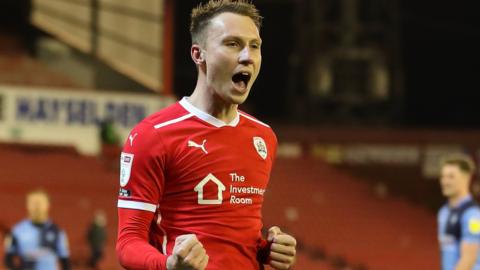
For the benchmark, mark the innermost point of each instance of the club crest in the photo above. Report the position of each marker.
(260, 146)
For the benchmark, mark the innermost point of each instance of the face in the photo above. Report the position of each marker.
(100, 218)
(453, 180)
(37, 207)
(232, 56)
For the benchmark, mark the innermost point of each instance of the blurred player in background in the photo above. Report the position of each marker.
(36, 243)
(193, 175)
(96, 237)
(459, 219)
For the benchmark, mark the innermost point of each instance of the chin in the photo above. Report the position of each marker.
(448, 194)
(238, 99)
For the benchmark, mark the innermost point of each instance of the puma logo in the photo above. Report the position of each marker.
(131, 138)
(196, 145)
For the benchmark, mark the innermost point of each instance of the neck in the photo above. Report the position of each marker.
(39, 219)
(455, 200)
(208, 101)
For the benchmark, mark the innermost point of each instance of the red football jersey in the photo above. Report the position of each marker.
(198, 175)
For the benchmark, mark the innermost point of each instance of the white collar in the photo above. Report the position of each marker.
(207, 117)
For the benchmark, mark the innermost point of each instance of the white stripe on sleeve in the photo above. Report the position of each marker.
(137, 205)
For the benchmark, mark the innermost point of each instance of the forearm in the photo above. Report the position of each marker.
(138, 254)
(468, 255)
(465, 264)
(133, 248)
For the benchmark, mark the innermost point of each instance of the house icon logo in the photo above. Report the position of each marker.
(199, 189)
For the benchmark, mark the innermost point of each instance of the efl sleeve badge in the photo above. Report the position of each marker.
(126, 161)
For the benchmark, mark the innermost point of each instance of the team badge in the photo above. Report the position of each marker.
(126, 161)
(453, 219)
(50, 237)
(474, 225)
(260, 146)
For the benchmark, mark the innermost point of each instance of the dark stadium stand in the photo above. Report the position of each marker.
(18, 68)
(407, 182)
(340, 214)
(336, 218)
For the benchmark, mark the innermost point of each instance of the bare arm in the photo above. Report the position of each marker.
(468, 256)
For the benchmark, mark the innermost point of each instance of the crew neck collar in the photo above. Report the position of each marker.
(187, 105)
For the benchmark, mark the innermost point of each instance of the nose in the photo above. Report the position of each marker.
(245, 56)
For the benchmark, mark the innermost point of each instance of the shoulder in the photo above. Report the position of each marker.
(471, 220)
(145, 133)
(167, 116)
(259, 125)
(253, 120)
(442, 211)
(54, 226)
(472, 213)
(172, 114)
(21, 226)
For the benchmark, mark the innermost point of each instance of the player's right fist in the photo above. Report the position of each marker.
(188, 254)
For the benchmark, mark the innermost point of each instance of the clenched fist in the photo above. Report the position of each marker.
(282, 250)
(188, 254)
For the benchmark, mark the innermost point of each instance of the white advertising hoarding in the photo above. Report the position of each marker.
(67, 117)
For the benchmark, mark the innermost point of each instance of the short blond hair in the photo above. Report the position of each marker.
(464, 162)
(203, 13)
(38, 192)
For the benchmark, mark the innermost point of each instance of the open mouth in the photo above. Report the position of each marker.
(241, 79)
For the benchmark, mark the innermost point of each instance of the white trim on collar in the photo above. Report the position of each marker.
(207, 117)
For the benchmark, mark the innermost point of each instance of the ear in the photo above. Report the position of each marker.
(198, 55)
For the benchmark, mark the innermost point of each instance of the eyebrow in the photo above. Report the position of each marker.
(259, 40)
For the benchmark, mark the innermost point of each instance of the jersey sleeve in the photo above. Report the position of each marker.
(471, 226)
(440, 218)
(62, 245)
(274, 142)
(142, 165)
(141, 187)
(133, 248)
(264, 246)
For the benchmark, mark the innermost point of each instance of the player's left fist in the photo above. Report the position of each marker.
(282, 250)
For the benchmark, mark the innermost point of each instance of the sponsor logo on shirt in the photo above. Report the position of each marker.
(220, 187)
(239, 192)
